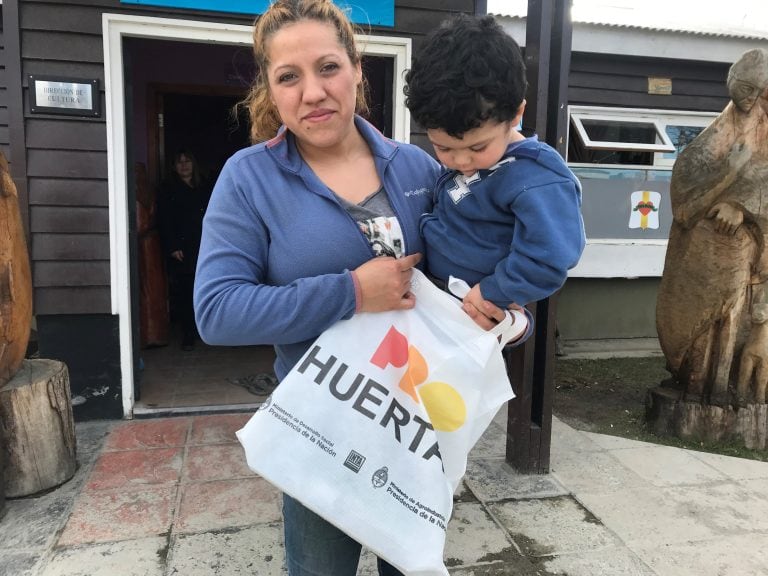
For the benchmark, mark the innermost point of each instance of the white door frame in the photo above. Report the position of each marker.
(117, 26)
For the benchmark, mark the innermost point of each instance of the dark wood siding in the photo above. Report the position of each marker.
(66, 157)
(5, 137)
(611, 80)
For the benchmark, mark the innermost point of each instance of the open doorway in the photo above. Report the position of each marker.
(179, 94)
(182, 96)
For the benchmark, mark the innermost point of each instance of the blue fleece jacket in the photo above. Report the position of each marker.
(515, 228)
(278, 247)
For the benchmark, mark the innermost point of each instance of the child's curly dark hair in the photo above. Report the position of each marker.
(468, 70)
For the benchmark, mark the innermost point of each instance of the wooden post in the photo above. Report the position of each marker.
(530, 367)
(37, 430)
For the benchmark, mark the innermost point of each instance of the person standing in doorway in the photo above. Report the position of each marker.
(183, 204)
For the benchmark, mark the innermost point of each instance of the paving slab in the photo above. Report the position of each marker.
(758, 486)
(90, 436)
(593, 471)
(549, 526)
(492, 444)
(250, 551)
(473, 537)
(142, 557)
(228, 503)
(513, 566)
(667, 466)
(32, 522)
(663, 516)
(606, 442)
(138, 434)
(135, 468)
(107, 515)
(735, 468)
(19, 563)
(564, 438)
(217, 428)
(215, 462)
(494, 479)
(742, 555)
(618, 561)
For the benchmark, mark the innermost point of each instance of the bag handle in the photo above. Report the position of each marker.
(513, 326)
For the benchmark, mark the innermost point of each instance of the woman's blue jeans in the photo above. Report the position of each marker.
(314, 547)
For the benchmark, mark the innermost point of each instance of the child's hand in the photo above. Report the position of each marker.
(485, 314)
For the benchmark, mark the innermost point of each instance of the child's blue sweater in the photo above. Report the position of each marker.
(277, 247)
(515, 228)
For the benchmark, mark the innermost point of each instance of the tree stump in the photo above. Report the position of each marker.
(667, 414)
(37, 430)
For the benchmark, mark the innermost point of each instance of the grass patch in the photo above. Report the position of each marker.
(607, 396)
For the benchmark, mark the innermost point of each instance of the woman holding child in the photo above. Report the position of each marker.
(290, 237)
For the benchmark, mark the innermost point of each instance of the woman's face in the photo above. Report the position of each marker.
(184, 167)
(313, 83)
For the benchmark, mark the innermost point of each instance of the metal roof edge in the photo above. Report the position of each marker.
(724, 32)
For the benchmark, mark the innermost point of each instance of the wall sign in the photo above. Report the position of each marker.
(659, 85)
(366, 12)
(57, 95)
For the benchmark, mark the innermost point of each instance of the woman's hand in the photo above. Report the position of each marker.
(385, 283)
(178, 255)
(485, 314)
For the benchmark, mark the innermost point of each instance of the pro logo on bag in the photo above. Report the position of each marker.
(443, 403)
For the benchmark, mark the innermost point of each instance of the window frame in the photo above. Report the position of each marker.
(660, 119)
(676, 118)
(578, 118)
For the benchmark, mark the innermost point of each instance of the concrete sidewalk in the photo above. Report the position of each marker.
(172, 496)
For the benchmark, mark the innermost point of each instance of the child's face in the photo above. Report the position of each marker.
(479, 149)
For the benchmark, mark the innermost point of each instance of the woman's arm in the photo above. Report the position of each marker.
(236, 305)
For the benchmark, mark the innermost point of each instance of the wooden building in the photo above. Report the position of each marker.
(151, 75)
(636, 94)
(89, 89)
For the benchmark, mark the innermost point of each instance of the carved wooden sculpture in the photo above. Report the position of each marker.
(37, 431)
(716, 264)
(15, 280)
(712, 307)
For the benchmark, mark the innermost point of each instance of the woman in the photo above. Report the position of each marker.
(286, 250)
(184, 201)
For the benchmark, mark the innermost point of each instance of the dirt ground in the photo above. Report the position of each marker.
(608, 396)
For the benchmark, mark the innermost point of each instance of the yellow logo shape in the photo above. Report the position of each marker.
(445, 406)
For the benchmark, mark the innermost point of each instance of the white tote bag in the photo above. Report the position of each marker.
(372, 428)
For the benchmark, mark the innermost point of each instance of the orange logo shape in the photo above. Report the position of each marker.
(445, 406)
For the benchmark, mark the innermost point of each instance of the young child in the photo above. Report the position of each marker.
(507, 215)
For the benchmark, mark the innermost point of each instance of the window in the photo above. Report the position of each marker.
(682, 129)
(631, 137)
